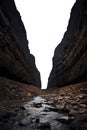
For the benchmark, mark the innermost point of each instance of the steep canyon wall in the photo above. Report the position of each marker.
(16, 62)
(70, 56)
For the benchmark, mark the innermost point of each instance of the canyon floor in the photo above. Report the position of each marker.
(24, 107)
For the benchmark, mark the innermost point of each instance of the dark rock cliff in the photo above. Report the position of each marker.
(70, 56)
(16, 62)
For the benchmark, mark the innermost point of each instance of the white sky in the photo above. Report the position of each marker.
(45, 22)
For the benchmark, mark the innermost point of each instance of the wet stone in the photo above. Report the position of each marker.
(26, 121)
(50, 102)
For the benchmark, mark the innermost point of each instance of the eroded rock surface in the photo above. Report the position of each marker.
(70, 57)
(16, 62)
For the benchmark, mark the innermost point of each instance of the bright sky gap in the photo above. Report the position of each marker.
(45, 22)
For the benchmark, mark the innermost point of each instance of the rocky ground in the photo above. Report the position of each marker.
(24, 107)
(71, 101)
(12, 91)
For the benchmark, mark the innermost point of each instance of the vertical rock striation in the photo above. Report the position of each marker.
(70, 56)
(16, 62)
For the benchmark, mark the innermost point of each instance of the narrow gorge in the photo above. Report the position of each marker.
(23, 105)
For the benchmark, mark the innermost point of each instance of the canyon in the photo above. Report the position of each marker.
(23, 105)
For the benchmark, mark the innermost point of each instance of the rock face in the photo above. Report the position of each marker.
(70, 57)
(16, 62)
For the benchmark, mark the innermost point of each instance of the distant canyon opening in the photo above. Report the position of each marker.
(45, 23)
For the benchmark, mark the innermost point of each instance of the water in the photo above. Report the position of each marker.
(39, 113)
